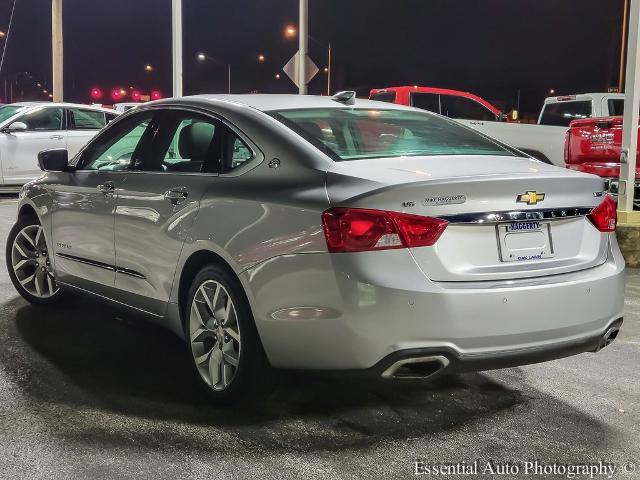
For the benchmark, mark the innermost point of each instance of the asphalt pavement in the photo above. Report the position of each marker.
(89, 393)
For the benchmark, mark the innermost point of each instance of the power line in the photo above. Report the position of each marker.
(6, 40)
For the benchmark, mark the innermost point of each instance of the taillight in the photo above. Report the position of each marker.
(360, 229)
(605, 216)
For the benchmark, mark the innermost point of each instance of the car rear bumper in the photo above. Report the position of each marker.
(354, 311)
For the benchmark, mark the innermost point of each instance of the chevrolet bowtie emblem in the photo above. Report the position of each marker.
(530, 198)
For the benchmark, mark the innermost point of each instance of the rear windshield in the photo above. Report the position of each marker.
(352, 134)
(8, 111)
(563, 113)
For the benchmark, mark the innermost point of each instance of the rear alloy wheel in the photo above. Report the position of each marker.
(224, 345)
(214, 333)
(28, 259)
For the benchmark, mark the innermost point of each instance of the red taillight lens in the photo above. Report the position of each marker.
(360, 229)
(605, 216)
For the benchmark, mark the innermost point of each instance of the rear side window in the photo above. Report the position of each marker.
(563, 113)
(426, 101)
(82, 119)
(388, 97)
(616, 107)
(465, 108)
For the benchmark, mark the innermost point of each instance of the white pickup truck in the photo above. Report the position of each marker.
(544, 141)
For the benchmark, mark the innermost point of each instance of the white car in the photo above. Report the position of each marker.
(545, 141)
(125, 106)
(29, 128)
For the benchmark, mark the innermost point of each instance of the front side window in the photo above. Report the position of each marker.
(465, 108)
(82, 119)
(43, 119)
(426, 101)
(8, 111)
(561, 114)
(120, 150)
(352, 134)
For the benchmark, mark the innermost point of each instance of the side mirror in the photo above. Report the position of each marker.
(54, 160)
(16, 127)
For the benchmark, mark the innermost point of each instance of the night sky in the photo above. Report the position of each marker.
(490, 47)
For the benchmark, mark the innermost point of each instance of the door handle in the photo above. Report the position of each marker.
(176, 195)
(56, 137)
(106, 188)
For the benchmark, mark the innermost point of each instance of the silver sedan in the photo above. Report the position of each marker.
(324, 233)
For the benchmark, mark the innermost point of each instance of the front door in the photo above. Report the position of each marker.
(158, 203)
(84, 205)
(45, 130)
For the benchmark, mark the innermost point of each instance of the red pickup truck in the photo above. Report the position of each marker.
(593, 146)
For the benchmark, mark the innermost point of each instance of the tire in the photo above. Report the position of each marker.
(27, 257)
(223, 345)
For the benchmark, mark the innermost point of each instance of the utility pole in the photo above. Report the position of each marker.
(176, 31)
(303, 30)
(630, 120)
(622, 46)
(57, 50)
(329, 72)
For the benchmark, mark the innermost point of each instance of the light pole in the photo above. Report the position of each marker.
(303, 42)
(203, 57)
(57, 50)
(176, 35)
(290, 31)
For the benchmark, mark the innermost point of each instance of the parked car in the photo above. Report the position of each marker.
(594, 146)
(324, 233)
(125, 106)
(30, 127)
(544, 141)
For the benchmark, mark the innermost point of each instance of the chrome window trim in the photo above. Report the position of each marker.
(517, 215)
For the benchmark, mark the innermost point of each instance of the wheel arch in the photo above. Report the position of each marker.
(192, 266)
(27, 210)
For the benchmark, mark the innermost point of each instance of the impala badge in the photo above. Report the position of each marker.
(444, 200)
(531, 198)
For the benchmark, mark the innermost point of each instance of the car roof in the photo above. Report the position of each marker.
(60, 104)
(438, 91)
(582, 97)
(269, 102)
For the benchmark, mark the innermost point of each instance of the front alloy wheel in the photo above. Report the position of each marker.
(31, 264)
(214, 333)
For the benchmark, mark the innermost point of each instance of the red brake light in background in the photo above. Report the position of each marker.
(96, 93)
(360, 229)
(156, 95)
(605, 216)
(136, 95)
(116, 94)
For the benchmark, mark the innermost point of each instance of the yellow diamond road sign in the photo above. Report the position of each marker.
(291, 69)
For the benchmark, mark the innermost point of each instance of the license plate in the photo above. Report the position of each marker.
(524, 241)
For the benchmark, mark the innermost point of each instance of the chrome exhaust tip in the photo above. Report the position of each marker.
(416, 367)
(608, 338)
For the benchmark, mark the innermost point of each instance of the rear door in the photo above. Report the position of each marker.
(46, 129)
(159, 202)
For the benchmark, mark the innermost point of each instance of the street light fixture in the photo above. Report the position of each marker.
(203, 57)
(148, 68)
(277, 76)
(2, 34)
(290, 31)
(261, 58)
